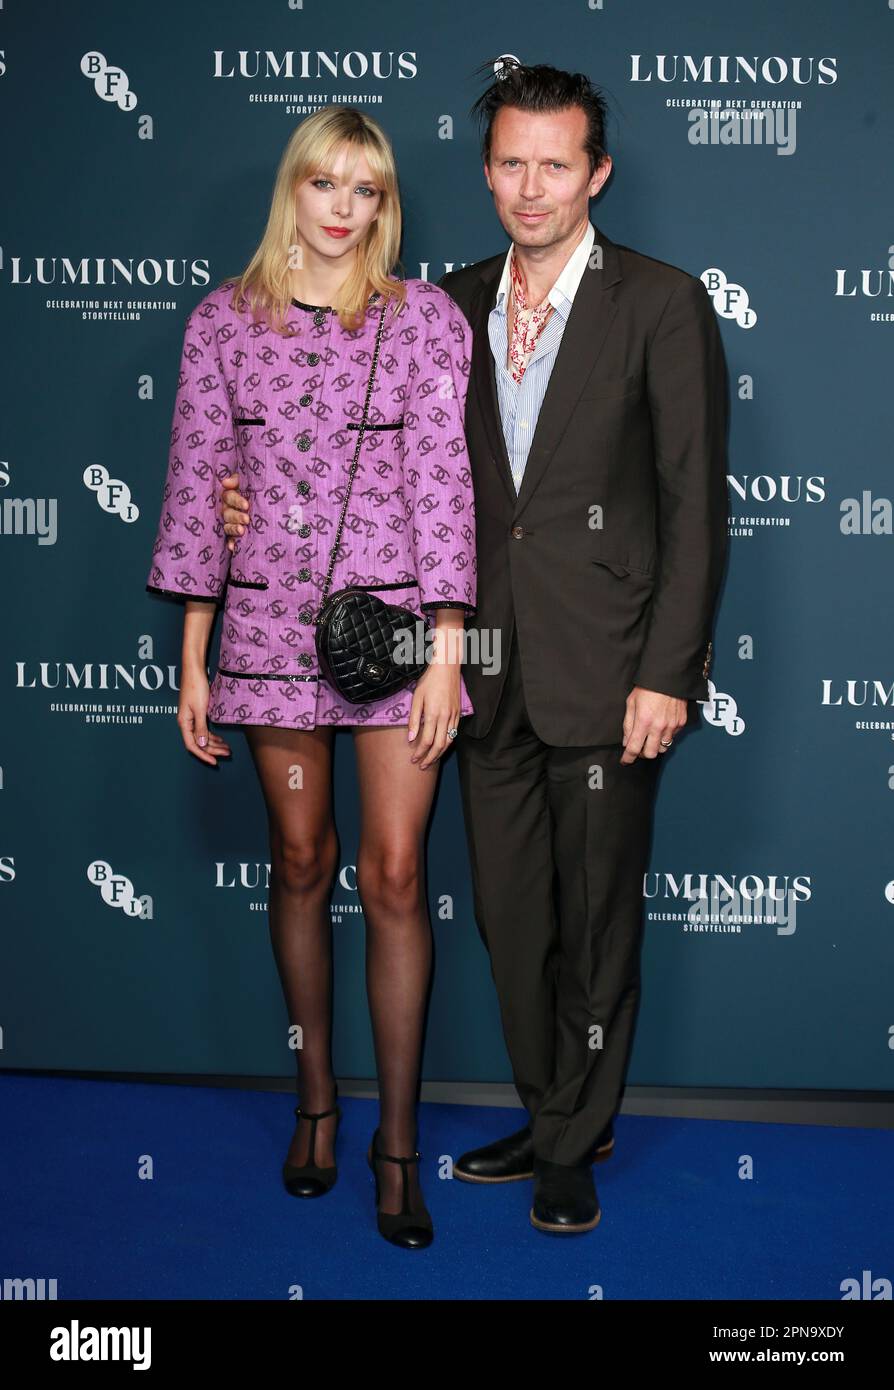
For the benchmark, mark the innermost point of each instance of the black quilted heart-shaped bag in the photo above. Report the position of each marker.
(358, 635)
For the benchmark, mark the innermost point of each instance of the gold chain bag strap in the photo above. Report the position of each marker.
(357, 633)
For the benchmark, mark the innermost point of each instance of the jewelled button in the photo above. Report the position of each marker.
(304, 442)
(304, 529)
(304, 575)
(305, 399)
(313, 358)
(304, 487)
(320, 317)
(305, 659)
(305, 615)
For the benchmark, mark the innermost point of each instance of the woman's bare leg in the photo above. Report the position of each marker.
(395, 800)
(294, 767)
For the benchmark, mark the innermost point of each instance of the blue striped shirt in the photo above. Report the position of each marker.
(520, 402)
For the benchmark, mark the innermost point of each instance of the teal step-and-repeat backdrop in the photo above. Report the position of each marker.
(752, 146)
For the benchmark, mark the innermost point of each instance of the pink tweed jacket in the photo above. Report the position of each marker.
(283, 414)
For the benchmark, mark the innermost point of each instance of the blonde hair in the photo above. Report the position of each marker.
(264, 285)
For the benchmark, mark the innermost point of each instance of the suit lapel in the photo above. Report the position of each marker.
(592, 313)
(484, 373)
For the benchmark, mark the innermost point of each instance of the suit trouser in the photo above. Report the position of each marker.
(558, 853)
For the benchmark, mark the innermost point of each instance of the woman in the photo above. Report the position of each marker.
(274, 375)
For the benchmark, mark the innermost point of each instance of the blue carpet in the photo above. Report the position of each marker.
(213, 1222)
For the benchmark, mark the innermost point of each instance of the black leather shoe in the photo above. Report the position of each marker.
(565, 1200)
(506, 1160)
(510, 1159)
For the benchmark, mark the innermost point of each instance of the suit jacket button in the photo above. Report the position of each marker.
(304, 575)
(305, 615)
(306, 399)
(313, 358)
(304, 659)
(304, 488)
(304, 529)
(517, 532)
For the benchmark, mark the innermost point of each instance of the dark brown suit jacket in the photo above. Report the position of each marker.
(609, 560)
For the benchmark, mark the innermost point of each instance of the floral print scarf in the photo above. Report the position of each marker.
(528, 323)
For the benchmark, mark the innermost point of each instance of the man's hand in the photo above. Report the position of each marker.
(650, 717)
(234, 509)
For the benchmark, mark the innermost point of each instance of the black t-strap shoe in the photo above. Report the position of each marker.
(412, 1230)
(306, 1179)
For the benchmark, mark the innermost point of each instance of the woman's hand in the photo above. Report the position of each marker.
(435, 708)
(438, 695)
(192, 718)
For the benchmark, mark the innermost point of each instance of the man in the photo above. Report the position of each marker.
(596, 423)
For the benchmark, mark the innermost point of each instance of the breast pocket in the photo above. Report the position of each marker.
(381, 426)
(612, 388)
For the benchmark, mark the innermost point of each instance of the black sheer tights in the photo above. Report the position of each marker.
(295, 772)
